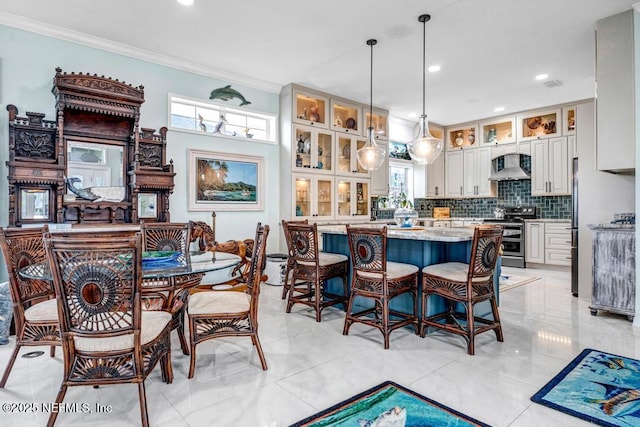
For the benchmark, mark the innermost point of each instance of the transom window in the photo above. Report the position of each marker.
(213, 119)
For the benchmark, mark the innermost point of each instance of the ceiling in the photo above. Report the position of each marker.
(489, 51)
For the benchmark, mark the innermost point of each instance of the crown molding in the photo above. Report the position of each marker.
(61, 33)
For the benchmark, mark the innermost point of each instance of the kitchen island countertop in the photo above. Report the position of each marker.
(435, 234)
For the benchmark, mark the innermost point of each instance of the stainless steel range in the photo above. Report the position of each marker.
(513, 253)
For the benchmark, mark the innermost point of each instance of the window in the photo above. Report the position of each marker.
(400, 181)
(214, 119)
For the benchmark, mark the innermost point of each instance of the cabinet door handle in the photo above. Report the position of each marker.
(436, 190)
(461, 190)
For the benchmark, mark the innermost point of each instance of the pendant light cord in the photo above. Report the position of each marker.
(371, 43)
(424, 62)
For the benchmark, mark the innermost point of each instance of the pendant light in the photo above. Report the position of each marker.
(425, 148)
(371, 156)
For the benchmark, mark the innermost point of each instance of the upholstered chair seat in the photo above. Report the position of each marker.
(452, 271)
(395, 270)
(219, 302)
(46, 311)
(152, 325)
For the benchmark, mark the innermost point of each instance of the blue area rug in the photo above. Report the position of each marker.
(599, 387)
(389, 404)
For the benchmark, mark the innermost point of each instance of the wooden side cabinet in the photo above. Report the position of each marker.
(614, 271)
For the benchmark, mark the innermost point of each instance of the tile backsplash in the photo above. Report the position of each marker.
(510, 193)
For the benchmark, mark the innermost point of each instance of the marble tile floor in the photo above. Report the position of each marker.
(312, 366)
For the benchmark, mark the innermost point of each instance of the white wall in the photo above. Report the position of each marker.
(601, 194)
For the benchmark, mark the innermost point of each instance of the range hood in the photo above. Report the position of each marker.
(510, 171)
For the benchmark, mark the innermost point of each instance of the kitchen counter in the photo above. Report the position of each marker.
(550, 220)
(435, 234)
(420, 247)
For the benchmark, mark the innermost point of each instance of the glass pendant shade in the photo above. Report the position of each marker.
(425, 148)
(371, 156)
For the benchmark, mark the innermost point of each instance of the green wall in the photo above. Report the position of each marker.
(27, 66)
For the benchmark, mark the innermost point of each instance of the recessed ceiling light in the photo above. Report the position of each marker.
(498, 109)
(412, 115)
(434, 68)
(542, 76)
(185, 2)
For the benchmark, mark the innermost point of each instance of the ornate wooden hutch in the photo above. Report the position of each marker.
(95, 143)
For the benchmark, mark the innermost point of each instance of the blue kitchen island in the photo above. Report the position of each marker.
(421, 247)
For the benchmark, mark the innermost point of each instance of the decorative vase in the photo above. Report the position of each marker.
(405, 217)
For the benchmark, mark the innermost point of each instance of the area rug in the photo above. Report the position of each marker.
(392, 405)
(510, 281)
(599, 387)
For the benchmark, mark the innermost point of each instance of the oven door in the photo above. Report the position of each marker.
(513, 244)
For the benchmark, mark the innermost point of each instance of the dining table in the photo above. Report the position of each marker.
(165, 280)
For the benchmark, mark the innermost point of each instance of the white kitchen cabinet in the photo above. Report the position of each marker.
(436, 178)
(310, 108)
(454, 173)
(539, 124)
(314, 149)
(380, 179)
(476, 173)
(550, 167)
(347, 117)
(379, 121)
(462, 137)
(534, 236)
(347, 146)
(353, 198)
(616, 77)
(313, 197)
(557, 243)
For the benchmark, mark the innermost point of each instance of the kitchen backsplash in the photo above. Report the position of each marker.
(510, 193)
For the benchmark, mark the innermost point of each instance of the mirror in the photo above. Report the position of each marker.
(34, 204)
(95, 165)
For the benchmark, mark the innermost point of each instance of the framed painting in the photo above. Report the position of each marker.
(225, 182)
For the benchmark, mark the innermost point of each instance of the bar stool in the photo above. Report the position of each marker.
(465, 285)
(312, 268)
(376, 278)
(290, 261)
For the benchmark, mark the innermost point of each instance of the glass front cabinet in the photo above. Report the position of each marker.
(347, 155)
(539, 124)
(313, 197)
(346, 117)
(462, 137)
(498, 131)
(353, 198)
(379, 120)
(310, 109)
(313, 149)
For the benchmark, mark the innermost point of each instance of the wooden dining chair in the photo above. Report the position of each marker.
(34, 303)
(106, 336)
(312, 268)
(167, 236)
(286, 286)
(378, 280)
(465, 285)
(217, 314)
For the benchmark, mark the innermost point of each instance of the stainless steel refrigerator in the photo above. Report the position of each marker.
(574, 229)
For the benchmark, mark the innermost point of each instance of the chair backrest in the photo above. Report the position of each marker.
(97, 284)
(22, 247)
(484, 251)
(285, 229)
(302, 242)
(368, 248)
(167, 236)
(258, 257)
